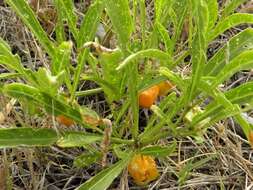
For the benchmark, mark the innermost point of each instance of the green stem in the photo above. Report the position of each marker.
(81, 60)
(88, 92)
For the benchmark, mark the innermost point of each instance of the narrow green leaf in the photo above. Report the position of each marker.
(28, 17)
(185, 171)
(229, 22)
(59, 27)
(119, 13)
(159, 9)
(198, 48)
(166, 104)
(109, 62)
(101, 82)
(63, 57)
(66, 7)
(159, 151)
(132, 71)
(165, 37)
(179, 15)
(213, 12)
(87, 33)
(231, 6)
(9, 75)
(149, 53)
(87, 159)
(90, 22)
(235, 46)
(243, 61)
(104, 178)
(4, 47)
(240, 95)
(53, 105)
(61, 63)
(7, 59)
(23, 136)
(77, 139)
(175, 78)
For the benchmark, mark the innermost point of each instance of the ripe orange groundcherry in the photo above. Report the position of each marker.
(143, 169)
(148, 96)
(164, 88)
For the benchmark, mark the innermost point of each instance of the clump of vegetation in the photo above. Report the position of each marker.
(144, 71)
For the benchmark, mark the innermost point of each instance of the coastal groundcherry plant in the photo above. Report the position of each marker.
(143, 169)
(199, 104)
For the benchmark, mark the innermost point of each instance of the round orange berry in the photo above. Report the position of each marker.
(143, 169)
(148, 96)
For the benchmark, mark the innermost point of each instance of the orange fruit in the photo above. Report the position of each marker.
(164, 88)
(64, 120)
(148, 96)
(143, 169)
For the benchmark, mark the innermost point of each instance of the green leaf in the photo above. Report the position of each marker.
(63, 57)
(120, 151)
(7, 59)
(179, 16)
(148, 53)
(109, 62)
(46, 82)
(185, 171)
(23, 136)
(175, 78)
(229, 22)
(59, 27)
(66, 7)
(53, 105)
(240, 95)
(165, 37)
(159, 5)
(104, 178)
(28, 17)
(77, 139)
(132, 74)
(162, 10)
(87, 159)
(9, 75)
(101, 82)
(87, 32)
(243, 61)
(231, 6)
(235, 46)
(61, 65)
(198, 48)
(119, 13)
(166, 104)
(213, 12)
(90, 22)
(159, 151)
